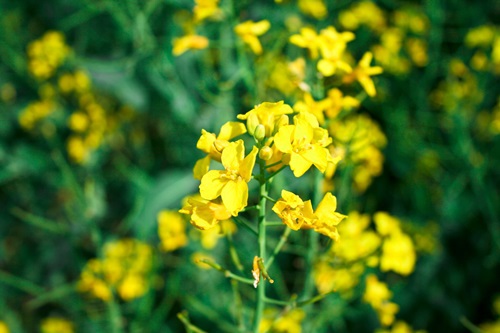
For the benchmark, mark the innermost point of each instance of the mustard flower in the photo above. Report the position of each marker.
(172, 230)
(309, 39)
(214, 145)
(326, 218)
(314, 8)
(306, 143)
(292, 210)
(398, 254)
(230, 184)
(4, 328)
(206, 9)
(189, 42)
(249, 31)
(336, 102)
(205, 214)
(284, 322)
(363, 73)
(270, 115)
(376, 292)
(308, 104)
(332, 47)
(56, 325)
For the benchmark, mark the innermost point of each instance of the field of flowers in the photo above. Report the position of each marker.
(279, 166)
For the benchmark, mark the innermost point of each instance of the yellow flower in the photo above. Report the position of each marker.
(314, 8)
(305, 142)
(230, 184)
(336, 102)
(386, 224)
(282, 322)
(332, 47)
(308, 38)
(172, 230)
(4, 328)
(205, 214)
(398, 254)
(249, 31)
(292, 210)
(206, 9)
(56, 325)
(214, 145)
(326, 218)
(376, 292)
(189, 42)
(308, 104)
(132, 286)
(268, 114)
(363, 72)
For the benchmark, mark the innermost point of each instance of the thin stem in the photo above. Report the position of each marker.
(227, 273)
(261, 291)
(238, 307)
(189, 327)
(278, 247)
(274, 173)
(232, 251)
(245, 224)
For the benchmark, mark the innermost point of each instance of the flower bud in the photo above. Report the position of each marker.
(260, 132)
(252, 123)
(266, 153)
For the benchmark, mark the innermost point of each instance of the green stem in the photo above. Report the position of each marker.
(278, 247)
(261, 291)
(189, 327)
(227, 273)
(245, 224)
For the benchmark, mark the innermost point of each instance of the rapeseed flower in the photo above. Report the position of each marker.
(270, 115)
(293, 211)
(4, 328)
(363, 73)
(214, 145)
(305, 142)
(205, 214)
(172, 230)
(230, 184)
(249, 32)
(189, 42)
(205, 9)
(56, 325)
(309, 39)
(332, 47)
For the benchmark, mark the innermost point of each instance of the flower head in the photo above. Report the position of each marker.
(292, 210)
(363, 73)
(267, 114)
(189, 42)
(230, 184)
(306, 144)
(249, 31)
(205, 214)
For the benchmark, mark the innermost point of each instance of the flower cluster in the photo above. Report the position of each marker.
(47, 54)
(56, 325)
(124, 267)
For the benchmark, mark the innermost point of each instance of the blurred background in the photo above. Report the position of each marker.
(100, 111)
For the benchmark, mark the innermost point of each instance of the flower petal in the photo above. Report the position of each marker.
(212, 184)
(235, 196)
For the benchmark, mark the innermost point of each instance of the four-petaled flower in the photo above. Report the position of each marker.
(293, 211)
(230, 184)
(205, 214)
(363, 72)
(249, 30)
(306, 144)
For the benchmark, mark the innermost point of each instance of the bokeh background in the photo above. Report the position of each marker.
(98, 128)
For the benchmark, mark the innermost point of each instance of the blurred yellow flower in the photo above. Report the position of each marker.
(308, 38)
(326, 218)
(56, 325)
(314, 8)
(189, 42)
(4, 328)
(332, 47)
(172, 230)
(231, 183)
(282, 322)
(204, 9)
(47, 54)
(249, 31)
(363, 73)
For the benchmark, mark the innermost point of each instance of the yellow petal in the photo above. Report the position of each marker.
(212, 184)
(232, 155)
(318, 156)
(299, 164)
(201, 167)
(230, 130)
(235, 196)
(206, 141)
(247, 165)
(283, 139)
(325, 67)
